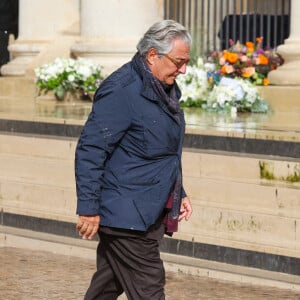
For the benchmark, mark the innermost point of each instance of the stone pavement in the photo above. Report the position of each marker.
(32, 275)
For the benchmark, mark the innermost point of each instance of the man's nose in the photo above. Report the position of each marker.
(182, 69)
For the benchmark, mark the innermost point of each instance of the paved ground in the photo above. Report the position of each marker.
(30, 275)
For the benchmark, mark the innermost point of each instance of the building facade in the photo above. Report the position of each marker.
(239, 218)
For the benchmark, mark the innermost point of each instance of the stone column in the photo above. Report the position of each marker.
(289, 72)
(111, 29)
(40, 24)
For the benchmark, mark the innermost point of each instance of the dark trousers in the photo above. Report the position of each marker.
(127, 263)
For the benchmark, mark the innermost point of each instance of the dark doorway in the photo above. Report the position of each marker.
(9, 21)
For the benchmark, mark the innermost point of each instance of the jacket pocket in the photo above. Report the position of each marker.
(148, 202)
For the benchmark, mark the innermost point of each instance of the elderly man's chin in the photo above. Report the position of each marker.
(170, 80)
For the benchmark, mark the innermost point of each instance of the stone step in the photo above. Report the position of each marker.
(37, 146)
(233, 206)
(17, 86)
(222, 194)
(211, 223)
(44, 109)
(24, 86)
(233, 227)
(238, 196)
(37, 170)
(37, 176)
(196, 164)
(15, 107)
(242, 168)
(38, 200)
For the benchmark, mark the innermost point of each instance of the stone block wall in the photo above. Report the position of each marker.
(37, 177)
(243, 201)
(246, 205)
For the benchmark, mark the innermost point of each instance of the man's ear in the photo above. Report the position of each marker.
(151, 56)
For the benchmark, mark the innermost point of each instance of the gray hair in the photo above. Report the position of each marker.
(161, 35)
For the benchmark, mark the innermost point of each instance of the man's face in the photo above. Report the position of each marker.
(167, 67)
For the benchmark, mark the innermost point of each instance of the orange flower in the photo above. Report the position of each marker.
(227, 69)
(231, 57)
(263, 60)
(248, 72)
(250, 47)
(250, 44)
(223, 69)
(259, 40)
(246, 75)
(266, 81)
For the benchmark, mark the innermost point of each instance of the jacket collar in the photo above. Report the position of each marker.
(148, 92)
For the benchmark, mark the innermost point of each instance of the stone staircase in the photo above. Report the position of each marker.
(233, 205)
(37, 177)
(234, 208)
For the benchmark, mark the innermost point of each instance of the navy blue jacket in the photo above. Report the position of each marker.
(129, 153)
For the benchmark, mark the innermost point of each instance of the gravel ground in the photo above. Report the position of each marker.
(30, 275)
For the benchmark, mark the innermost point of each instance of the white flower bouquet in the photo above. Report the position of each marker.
(235, 95)
(229, 94)
(194, 85)
(68, 75)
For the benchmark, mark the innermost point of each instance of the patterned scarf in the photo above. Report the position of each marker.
(168, 94)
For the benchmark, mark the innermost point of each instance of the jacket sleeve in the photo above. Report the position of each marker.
(183, 193)
(106, 124)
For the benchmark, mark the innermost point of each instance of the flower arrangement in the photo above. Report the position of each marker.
(228, 79)
(224, 94)
(235, 95)
(249, 61)
(194, 84)
(67, 75)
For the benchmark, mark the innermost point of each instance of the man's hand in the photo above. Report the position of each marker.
(88, 226)
(185, 209)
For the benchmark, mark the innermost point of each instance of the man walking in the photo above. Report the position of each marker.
(128, 167)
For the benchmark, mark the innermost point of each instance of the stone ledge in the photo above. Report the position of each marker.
(242, 145)
(189, 249)
(20, 238)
